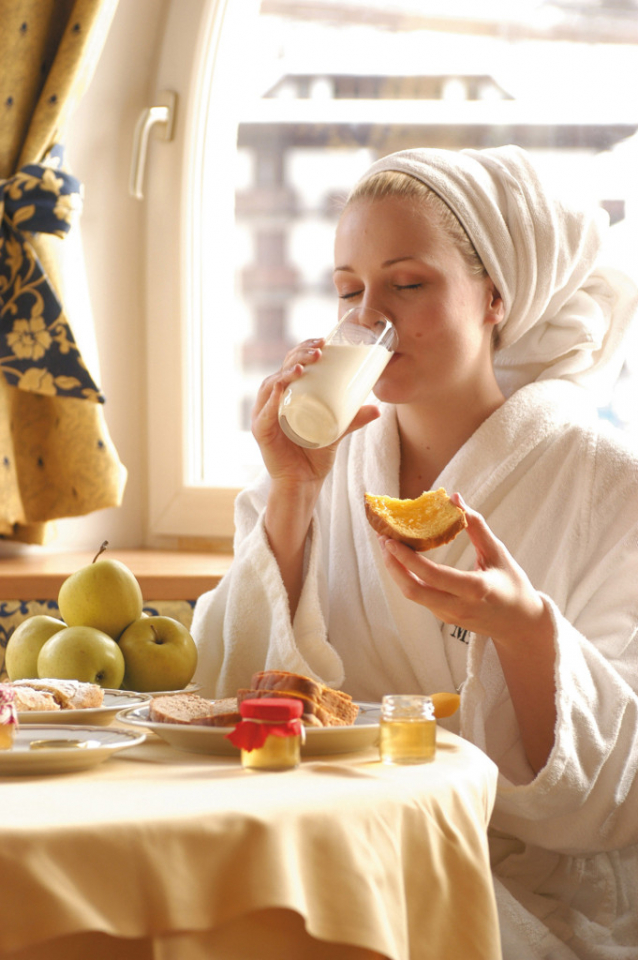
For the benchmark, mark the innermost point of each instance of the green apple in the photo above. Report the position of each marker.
(25, 643)
(82, 653)
(159, 653)
(104, 595)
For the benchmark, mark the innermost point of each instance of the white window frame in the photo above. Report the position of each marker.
(173, 297)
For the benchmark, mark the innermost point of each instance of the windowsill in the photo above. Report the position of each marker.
(162, 574)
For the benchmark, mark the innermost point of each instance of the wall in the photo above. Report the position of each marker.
(99, 153)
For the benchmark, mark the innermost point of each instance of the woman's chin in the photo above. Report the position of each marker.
(390, 387)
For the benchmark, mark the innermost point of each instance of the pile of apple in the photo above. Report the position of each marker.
(104, 637)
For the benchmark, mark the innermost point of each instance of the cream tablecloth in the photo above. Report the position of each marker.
(186, 857)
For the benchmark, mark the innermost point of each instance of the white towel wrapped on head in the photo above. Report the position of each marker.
(566, 314)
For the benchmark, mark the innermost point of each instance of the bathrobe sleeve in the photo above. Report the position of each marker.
(585, 798)
(244, 624)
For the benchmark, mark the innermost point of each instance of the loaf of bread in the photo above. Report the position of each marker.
(50, 694)
(323, 706)
(190, 708)
(427, 522)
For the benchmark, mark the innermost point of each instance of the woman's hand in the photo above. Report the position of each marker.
(495, 599)
(284, 459)
(297, 473)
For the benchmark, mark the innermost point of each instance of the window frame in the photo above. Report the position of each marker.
(173, 297)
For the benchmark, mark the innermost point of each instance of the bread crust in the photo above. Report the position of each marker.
(446, 523)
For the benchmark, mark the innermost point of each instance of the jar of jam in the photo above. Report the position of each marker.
(269, 734)
(408, 729)
(8, 717)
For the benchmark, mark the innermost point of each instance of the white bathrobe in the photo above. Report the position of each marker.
(563, 497)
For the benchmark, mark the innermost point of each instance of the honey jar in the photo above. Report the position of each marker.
(269, 734)
(407, 729)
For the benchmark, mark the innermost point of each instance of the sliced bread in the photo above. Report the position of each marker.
(190, 708)
(321, 703)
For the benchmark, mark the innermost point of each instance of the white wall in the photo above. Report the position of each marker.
(99, 153)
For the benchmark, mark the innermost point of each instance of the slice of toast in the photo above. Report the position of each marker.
(189, 708)
(223, 713)
(427, 522)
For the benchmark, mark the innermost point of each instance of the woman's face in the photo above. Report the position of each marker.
(392, 255)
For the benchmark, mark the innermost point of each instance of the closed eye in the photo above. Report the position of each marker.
(408, 286)
(349, 296)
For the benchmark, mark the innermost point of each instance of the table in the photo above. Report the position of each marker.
(159, 854)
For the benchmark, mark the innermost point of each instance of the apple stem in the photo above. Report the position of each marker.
(157, 639)
(100, 551)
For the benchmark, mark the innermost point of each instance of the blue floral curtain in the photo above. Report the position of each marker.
(56, 456)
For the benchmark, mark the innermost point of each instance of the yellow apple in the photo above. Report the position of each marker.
(104, 595)
(159, 654)
(82, 653)
(25, 643)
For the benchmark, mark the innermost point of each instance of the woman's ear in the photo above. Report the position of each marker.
(496, 307)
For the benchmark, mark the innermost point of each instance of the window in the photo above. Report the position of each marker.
(283, 103)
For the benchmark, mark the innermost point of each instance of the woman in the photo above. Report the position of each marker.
(509, 331)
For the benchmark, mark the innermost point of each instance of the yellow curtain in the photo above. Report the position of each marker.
(56, 456)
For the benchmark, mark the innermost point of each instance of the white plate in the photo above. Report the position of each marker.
(319, 740)
(190, 688)
(114, 701)
(75, 748)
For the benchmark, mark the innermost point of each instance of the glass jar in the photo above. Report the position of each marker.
(8, 717)
(269, 734)
(407, 729)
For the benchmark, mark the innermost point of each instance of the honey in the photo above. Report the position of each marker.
(407, 730)
(277, 753)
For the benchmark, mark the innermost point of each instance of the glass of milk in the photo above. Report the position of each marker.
(315, 410)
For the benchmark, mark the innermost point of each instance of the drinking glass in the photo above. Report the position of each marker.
(318, 408)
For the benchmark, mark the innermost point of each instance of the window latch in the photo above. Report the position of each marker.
(162, 117)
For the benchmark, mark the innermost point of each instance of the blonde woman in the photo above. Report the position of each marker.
(510, 333)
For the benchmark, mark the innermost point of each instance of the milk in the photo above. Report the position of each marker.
(316, 409)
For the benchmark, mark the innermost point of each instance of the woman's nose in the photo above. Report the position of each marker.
(375, 302)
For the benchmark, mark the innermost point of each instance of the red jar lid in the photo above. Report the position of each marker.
(277, 708)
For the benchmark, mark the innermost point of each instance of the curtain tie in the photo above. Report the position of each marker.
(38, 352)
